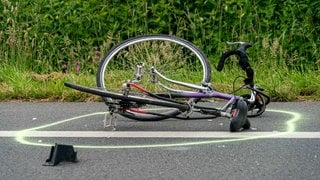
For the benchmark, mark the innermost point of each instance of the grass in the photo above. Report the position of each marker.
(284, 85)
(21, 85)
(45, 43)
(271, 64)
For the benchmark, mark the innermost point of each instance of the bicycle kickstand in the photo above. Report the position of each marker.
(111, 121)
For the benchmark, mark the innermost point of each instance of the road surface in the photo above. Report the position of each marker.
(283, 143)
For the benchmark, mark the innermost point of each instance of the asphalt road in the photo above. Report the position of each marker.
(284, 143)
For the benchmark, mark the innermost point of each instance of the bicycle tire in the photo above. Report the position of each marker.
(128, 53)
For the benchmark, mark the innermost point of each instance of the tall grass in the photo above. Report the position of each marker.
(70, 37)
(44, 36)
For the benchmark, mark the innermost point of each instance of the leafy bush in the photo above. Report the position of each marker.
(53, 35)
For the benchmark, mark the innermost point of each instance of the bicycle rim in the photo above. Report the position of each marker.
(258, 107)
(173, 57)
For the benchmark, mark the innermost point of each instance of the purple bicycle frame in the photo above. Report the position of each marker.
(204, 91)
(211, 94)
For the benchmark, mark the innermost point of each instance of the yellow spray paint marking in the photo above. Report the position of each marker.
(20, 136)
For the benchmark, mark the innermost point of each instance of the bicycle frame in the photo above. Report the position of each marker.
(204, 92)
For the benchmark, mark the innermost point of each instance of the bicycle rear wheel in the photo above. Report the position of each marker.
(175, 58)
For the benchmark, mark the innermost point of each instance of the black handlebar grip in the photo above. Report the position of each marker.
(243, 59)
(250, 74)
(243, 62)
(223, 58)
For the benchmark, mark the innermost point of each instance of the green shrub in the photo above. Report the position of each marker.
(47, 35)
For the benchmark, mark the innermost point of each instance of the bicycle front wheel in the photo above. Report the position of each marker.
(173, 57)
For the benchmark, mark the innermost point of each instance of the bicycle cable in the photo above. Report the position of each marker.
(233, 85)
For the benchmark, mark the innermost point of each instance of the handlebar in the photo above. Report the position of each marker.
(243, 60)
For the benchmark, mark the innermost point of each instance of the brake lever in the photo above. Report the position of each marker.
(243, 45)
(237, 42)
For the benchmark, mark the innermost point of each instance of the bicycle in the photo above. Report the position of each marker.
(123, 83)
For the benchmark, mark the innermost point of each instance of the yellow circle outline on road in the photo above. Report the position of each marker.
(21, 138)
